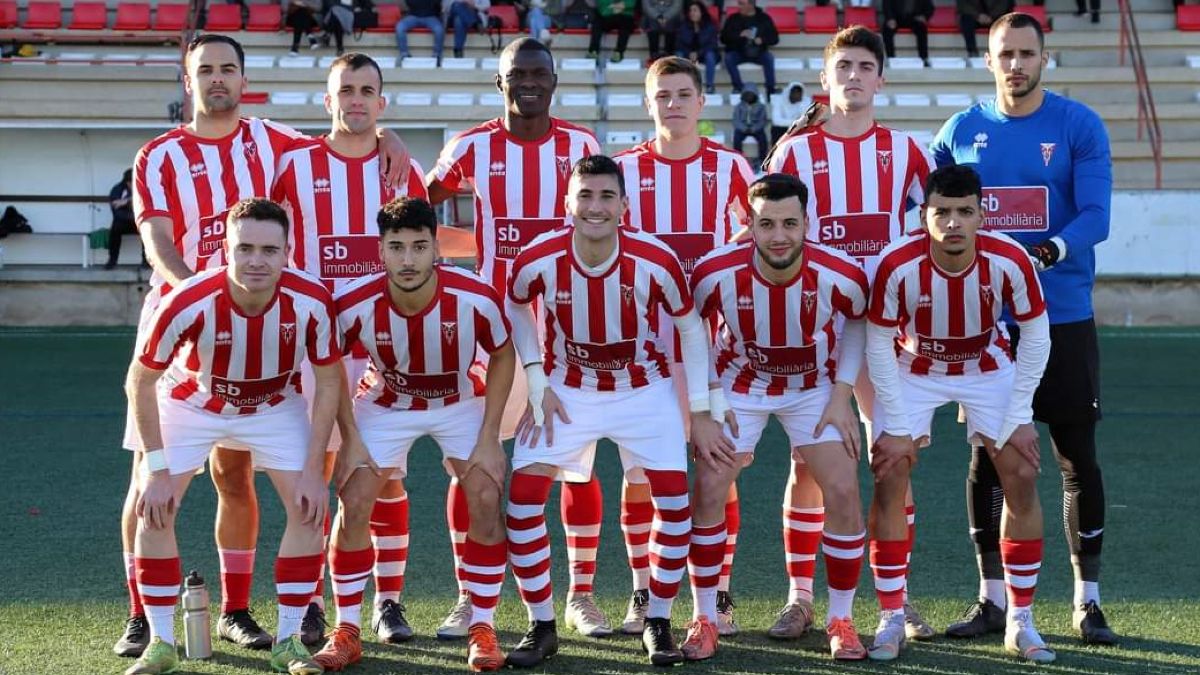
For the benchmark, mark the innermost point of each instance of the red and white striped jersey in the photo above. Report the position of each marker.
(600, 328)
(237, 364)
(430, 359)
(193, 181)
(858, 187)
(950, 324)
(519, 186)
(778, 338)
(332, 202)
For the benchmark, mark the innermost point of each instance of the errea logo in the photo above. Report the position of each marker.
(224, 337)
(745, 302)
(647, 184)
(198, 169)
(981, 141)
(321, 185)
(383, 337)
(496, 168)
(924, 300)
(563, 297)
(820, 166)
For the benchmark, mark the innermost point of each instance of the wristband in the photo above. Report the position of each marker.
(699, 405)
(155, 460)
(537, 381)
(717, 404)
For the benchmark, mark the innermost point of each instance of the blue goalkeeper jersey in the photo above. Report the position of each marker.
(1048, 174)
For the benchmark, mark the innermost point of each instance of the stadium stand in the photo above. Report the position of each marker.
(132, 16)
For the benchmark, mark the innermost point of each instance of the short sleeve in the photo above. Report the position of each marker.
(153, 184)
(322, 334)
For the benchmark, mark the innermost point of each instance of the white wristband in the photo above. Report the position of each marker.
(536, 379)
(717, 404)
(155, 460)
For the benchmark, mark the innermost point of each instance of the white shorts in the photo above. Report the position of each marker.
(636, 476)
(389, 434)
(983, 398)
(276, 438)
(645, 424)
(798, 412)
(355, 367)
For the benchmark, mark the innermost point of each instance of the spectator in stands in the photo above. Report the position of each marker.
(976, 14)
(422, 14)
(301, 17)
(611, 15)
(464, 16)
(337, 18)
(911, 14)
(537, 18)
(750, 119)
(748, 37)
(120, 200)
(786, 109)
(660, 20)
(697, 41)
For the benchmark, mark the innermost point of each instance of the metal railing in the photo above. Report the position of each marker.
(1147, 115)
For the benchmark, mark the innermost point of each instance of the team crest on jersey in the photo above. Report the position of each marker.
(564, 165)
(627, 293)
(383, 337)
(924, 301)
(198, 169)
(820, 166)
(448, 329)
(224, 337)
(745, 302)
(1047, 153)
(321, 185)
(647, 184)
(809, 298)
(249, 148)
(885, 159)
(563, 297)
(981, 140)
(287, 332)
(496, 168)
(986, 293)
(710, 180)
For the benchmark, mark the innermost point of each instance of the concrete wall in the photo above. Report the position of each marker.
(1153, 234)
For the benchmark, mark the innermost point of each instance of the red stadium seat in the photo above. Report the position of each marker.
(862, 16)
(44, 15)
(8, 13)
(820, 19)
(715, 14)
(170, 16)
(1036, 12)
(389, 16)
(133, 16)
(509, 21)
(89, 16)
(264, 18)
(255, 97)
(1187, 17)
(944, 20)
(224, 18)
(786, 19)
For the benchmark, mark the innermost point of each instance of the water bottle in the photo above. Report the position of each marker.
(197, 633)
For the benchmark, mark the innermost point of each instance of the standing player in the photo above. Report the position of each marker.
(184, 181)
(689, 192)
(1047, 170)
(517, 166)
(604, 374)
(863, 177)
(936, 337)
(786, 306)
(332, 187)
(422, 325)
(219, 363)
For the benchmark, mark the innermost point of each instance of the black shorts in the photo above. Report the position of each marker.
(1070, 388)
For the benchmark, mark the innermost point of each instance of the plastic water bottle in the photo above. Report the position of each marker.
(197, 631)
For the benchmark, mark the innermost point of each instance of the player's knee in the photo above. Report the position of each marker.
(234, 481)
(891, 490)
(354, 512)
(842, 495)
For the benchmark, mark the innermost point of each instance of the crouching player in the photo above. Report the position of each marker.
(787, 307)
(935, 337)
(423, 326)
(220, 364)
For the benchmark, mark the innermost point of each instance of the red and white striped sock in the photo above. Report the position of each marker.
(135, 599)
(582, 506)
(1022, 559)
(670, 538)
(733, 523)
(843, 564)
(635, 526)
(458, 520)
(889, 567)
(708, 545)
(295, 582)
(483, 567)
(801, 539)
(237, 572)
(389, 536)
(158, 581)
(910, 513)
(350, 571)
(529, 543)
(318, 596)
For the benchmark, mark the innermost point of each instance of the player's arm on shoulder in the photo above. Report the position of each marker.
(394, 158)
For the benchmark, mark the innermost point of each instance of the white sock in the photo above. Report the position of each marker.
(993, 589)
(705, 602)
(383, 596)
(841, 604)
(351, 614)
(1087, 591)
(481, 615)
(162, 622)
(660, 608)
(543, 611)
(290, 619)
(799, 595)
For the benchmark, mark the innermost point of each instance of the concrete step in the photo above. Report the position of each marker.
(1110, 19)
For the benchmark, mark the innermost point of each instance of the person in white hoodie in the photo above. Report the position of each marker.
(787, 108)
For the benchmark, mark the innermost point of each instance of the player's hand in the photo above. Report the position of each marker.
(551, 406)
(839, 413)
(312, 497)
(488, 457)
(709, 444)
(1024, 439)
(889, 451)
(1044, 255)
(156, 501)
(352, 455)
(394, 158)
